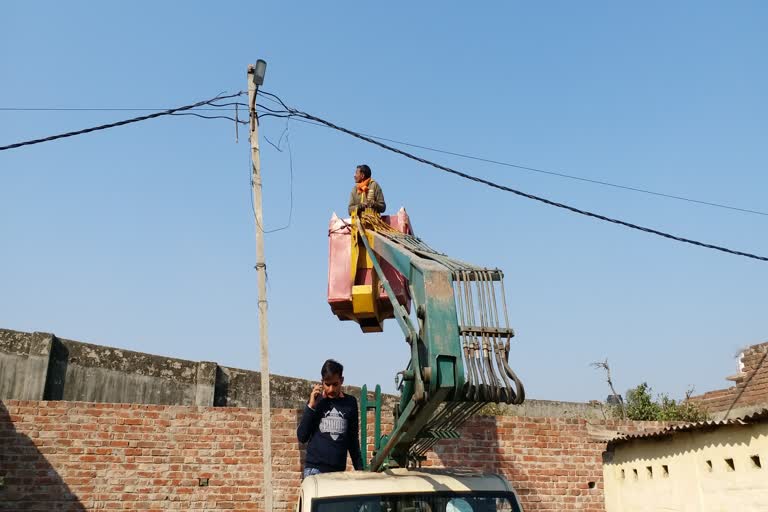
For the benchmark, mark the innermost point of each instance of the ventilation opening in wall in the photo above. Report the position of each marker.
(664, 470)
(591, 485)
(649, 471)
(730, 465)
(709, 465)
(756, 461)
(634, 474)
(623, 474)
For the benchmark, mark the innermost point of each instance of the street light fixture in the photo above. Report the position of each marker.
(259, 71)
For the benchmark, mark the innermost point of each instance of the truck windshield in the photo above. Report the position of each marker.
(432, 502)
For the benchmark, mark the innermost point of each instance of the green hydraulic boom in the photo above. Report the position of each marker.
(459, 342)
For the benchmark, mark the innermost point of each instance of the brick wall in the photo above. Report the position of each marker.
(79, 456)
(88, 456)
(555, 464)
(751, 385)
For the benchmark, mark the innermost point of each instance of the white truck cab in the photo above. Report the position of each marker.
(407, 490)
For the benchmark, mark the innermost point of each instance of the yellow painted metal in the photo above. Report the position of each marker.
(360, 258)
(364, 296)
(363, 301)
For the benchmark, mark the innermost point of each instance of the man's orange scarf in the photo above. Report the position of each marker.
(362, 187)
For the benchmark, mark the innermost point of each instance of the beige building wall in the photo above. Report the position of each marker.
(721, 470)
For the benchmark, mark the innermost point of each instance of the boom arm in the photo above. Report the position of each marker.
(459, 347)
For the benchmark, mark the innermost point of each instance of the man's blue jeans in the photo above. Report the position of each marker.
(310, 472)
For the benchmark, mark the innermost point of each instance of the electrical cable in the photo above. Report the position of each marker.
(120, 123)
(492, 184)
(275, 115)
(572, 177)
(291, 112)
(272, 144)
(121, 109)
(105, 109)
(210, 117)
(551, 173)
(286, 132)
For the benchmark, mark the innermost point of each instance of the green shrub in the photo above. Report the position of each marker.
(641, 406)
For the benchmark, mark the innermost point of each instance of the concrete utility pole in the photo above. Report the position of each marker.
(255, 79)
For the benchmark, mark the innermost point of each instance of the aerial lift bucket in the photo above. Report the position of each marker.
(357, 295)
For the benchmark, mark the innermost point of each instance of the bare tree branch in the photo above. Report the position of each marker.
(604, 365)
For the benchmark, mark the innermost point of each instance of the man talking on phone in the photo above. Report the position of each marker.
(330, 425)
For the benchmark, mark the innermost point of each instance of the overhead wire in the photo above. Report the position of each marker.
(103, 109)
(572, 177)
(217, 106)
(272, 144)
(121, 123)
(409, 144)
(290, 112)
(286, 133)
(187, 110)
(305, 115)
(275, 115)
(210, 117)
(548, 172)
(236, 103)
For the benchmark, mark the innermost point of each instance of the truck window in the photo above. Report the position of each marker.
(430, 502)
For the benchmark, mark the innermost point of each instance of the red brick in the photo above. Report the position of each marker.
(151, 457)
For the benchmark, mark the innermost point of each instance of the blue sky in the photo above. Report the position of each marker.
(142, 237)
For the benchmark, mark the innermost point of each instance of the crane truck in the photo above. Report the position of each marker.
(458, 337)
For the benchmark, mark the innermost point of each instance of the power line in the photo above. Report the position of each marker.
(551, 173)
(121, 123)
(291, 113)
(489, 183)
(122, 109)
(285, 133)
(572, 177)
(115, 109)
(94, 109)
(211, 117)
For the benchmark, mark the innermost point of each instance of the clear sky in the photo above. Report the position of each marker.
(142, 237)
